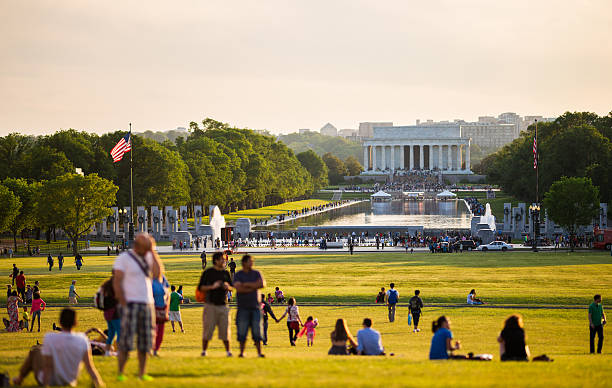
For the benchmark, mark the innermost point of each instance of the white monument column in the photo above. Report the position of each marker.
(402, 163)
(458, 156)
(439, 156)
(467, 157)
(411, 156)
(449, 160)
(421, 157)
(392, 167)
(430, 156)
(373, 157)
(383, 155)
(366, 165)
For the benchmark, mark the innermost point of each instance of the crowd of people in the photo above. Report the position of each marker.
(137, 300)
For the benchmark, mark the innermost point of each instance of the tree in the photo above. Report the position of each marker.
(74, 203)
(572, 202)
(13, 149)
(336, 168)
(353, 166)
(9, 209)
(316, 167)
(26, 193)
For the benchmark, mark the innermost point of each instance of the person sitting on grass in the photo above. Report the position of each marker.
(441, 346)
(512, 346)
(58, 360)
(369, 342)
(380, 298)
(473, 300)
(339, 337)
(280, 297)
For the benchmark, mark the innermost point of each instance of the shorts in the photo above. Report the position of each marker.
(72, 300)
(246, 318)
(216, 316)
(137, 319)
(175, 316)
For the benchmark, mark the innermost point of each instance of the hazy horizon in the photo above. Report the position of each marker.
(283, 66)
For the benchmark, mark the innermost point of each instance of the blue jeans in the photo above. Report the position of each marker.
(246, 318)
(114, 329)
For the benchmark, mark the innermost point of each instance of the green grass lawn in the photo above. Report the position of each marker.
(561, 284)
(267, 211)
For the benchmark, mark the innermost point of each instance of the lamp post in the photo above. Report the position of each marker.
(535, 218)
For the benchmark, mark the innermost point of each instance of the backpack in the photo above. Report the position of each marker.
(98, 299)
(392, 297)
(414, 304)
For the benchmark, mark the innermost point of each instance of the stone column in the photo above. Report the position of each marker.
(439, 156)
(366, 164)
(449, 160)
(467, 157)
(392, 167)
(411, 156)
(402, 160)
(421, 157)
(374, 158)
(383, 158)
(458, 156)
(430, 156)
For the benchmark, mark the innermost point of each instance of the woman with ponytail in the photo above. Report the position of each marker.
(441, 344)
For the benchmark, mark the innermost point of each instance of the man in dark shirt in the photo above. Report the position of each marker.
(266, 309)
(414, 307)
(215, 282)
(232, 267)
(203, 257)
(60, 261)
(248, 282)
(15, 273)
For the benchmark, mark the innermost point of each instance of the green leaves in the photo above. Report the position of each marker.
(9, 209)
(572, 202)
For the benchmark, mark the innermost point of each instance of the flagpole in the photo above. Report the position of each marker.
(537, 164)
(131, 224)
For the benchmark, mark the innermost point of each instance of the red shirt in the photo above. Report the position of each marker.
(21, 281)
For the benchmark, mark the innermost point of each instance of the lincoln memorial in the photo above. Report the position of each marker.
(428, 147)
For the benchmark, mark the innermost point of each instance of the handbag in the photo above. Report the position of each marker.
(160, 315)
(409, 319)
(200, 296)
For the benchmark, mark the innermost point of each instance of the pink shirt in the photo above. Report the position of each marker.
(310, 327)
(38, 304)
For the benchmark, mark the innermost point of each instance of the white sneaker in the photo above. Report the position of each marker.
(229, 354)
(414, 331)
(417, 330)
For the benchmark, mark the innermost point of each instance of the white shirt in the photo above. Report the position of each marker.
(137, 287)
(470, 299)
(67, 351)
(389, 292)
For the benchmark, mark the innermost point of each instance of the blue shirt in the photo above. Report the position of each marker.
(438, 344)
(369, 342)
(159, 291)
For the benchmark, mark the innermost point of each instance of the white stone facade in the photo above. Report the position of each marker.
(427, 147)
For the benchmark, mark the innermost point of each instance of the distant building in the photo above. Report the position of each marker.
(304, 131)
(367, 129)
(329, 130)
(489, 135)
(347, 132)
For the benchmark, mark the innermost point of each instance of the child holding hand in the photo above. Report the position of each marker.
(310, 326)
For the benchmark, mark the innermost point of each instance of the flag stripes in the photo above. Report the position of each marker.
(124, 145)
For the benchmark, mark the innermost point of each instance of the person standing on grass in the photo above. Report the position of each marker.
(78, 261)
(232, 267)
(266, 309)
(293, 320)
(72, 294)
(58, 360)
(21, 285)
(215, 282)
(392, 299)
(38, 306)
(248, 282)
(414, 307)
(369, 342)
(50, 261)
(111, 313)
(134, 270)
(60, 261)
(597, 320)
(161, 298)
(15, 274)
(175, 309)
(203, 257)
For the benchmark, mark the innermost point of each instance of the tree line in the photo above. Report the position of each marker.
(214, 164)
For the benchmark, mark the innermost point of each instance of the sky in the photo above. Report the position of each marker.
(284, 65)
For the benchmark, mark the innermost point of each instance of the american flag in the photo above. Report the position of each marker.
(535, 152)
(124, 145)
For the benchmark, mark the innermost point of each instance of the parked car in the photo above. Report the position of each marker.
(495, 246)
(468, 245)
